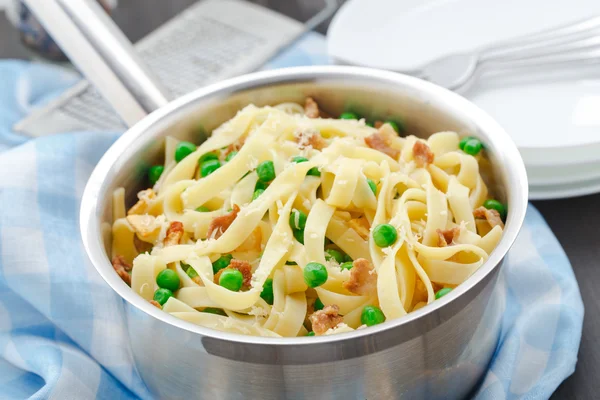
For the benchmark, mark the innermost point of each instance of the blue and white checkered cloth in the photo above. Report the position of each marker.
(62, 328)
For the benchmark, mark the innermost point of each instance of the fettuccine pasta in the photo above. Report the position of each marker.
(286, 222)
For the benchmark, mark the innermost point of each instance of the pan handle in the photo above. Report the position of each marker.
(99, 49)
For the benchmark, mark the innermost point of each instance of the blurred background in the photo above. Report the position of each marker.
(137, 18)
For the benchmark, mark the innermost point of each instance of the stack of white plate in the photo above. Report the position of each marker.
(557, 129)
(554, 122)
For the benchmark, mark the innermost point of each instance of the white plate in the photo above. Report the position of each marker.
(552, 123)
(555, 123)
(563, 174)
(406, 34)
(564, 191)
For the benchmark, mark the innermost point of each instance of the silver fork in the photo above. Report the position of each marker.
(573, 45)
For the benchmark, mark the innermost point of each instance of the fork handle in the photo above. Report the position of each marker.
(559, 60)
(580, 35)
(101, 51)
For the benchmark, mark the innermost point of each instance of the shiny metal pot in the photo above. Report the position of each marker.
(438, 352)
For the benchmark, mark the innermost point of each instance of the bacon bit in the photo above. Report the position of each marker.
(325, 319)
(492, 216)
(309, 139)
(423, 154)
(378, 124)
(243, 266)
(121, 267)
(446, 237)
(174, 234)
(382, 141)
(219, 225)
(361, 226)
(311, 108)
(363, 278)
(141, 207)
(156, 304)
(120, 260)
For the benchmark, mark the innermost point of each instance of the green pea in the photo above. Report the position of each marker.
(297, 219)
(299, 159)
(266, 171)
(394, 125)
(311, 333)
(202, 209)
(315, 274)
(299, 235)
(257, 193)
(371, 315)
(208, 167)
(348, 115)
(162, 295)
(222, 262)
(154, 173)
(463, 141)
(314, 171)
(267, 292)
(191, 272)
(168, 279)
(473, 147)
(372, 185)
(332, 254)
(318, 304)
(442, 292)
(492, 204)
(347, 265)
(230, 156)
(212, 310)
(183, 150)
(384, 235)
(231, 279)
(261, 185)
(206, 157)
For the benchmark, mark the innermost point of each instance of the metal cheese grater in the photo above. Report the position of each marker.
(210, 41)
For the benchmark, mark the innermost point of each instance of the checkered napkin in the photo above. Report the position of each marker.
(62, 328)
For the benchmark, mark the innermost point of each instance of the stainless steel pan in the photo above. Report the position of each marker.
(438, 352)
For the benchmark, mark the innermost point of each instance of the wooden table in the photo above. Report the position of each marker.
(576, 222)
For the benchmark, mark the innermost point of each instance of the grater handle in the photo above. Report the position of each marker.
(94, 43)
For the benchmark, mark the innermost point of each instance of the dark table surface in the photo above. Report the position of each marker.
(576, 221)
